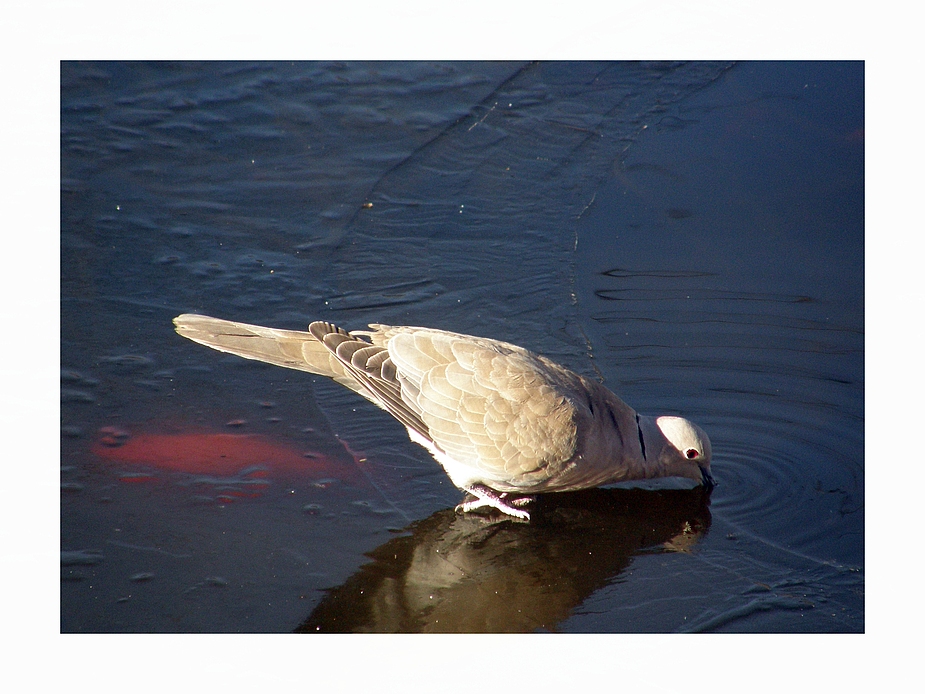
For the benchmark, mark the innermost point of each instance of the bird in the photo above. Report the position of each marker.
(505, 423)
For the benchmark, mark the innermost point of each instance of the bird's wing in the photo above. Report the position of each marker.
(371, 368)
(509, 414)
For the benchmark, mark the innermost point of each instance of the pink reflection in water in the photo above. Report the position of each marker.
(239, 465)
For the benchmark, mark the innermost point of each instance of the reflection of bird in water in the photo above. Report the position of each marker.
(504, 422)
(454, 573)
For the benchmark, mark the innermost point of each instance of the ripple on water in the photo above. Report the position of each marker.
(776, 379)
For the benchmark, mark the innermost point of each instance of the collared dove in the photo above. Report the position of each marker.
(504, 423)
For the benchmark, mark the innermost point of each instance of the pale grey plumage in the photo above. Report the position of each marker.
(504, 422)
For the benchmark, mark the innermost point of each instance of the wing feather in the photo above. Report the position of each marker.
(480, 398)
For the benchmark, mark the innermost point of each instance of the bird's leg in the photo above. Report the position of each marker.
(485, 496)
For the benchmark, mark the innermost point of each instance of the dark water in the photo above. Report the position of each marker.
(690, 233)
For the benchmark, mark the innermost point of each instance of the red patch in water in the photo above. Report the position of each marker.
(217, 454)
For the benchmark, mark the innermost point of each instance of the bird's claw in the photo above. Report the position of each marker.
(484, 496)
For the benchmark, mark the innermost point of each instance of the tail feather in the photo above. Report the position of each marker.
(291, 349)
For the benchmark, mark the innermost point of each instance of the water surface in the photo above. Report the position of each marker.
(692, 234)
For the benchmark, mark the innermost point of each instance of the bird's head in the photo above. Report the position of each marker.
(684, 449)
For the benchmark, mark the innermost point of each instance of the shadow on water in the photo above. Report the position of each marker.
(465, 573)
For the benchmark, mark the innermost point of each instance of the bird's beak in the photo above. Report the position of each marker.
(707, 479)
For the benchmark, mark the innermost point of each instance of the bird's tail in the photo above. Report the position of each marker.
(292, 349)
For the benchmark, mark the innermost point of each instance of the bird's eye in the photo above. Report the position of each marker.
(691, 453)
